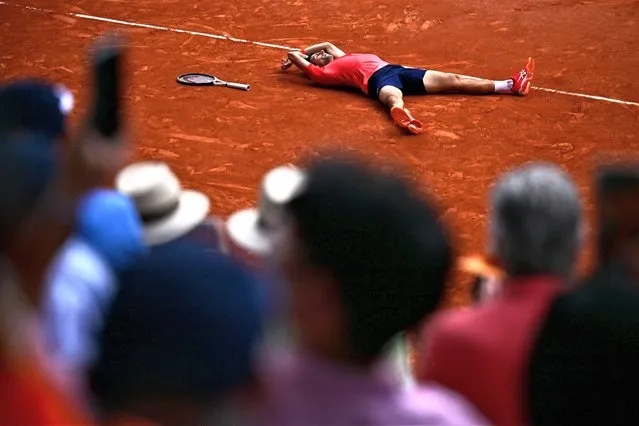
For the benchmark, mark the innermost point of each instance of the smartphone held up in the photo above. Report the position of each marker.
(107, 57)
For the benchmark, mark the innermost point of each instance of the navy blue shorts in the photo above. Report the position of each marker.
(409, 80)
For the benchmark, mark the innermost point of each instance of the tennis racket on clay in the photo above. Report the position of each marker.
(200, 79)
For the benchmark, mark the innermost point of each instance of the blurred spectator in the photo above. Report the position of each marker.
(365, 259)
(584, 368)
(28, 166)
(167, 211)
(179, 340)
(38, 213)
(41, 192)
(34, 107)
(248, 230)
(482, 353)
(617, 191)
(28, 395)
(82, 281)
(248, 234)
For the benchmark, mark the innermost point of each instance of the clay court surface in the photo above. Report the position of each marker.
(221, 141)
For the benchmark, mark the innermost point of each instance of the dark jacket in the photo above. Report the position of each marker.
(584, 369)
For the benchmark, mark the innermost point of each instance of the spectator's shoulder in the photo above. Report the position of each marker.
(455, 322)
(79, 259)
(448, 339)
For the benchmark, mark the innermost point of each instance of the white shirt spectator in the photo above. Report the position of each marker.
(79, 289)
(82, 278)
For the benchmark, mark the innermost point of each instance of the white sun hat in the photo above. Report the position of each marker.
(248, 228)
(167, 211)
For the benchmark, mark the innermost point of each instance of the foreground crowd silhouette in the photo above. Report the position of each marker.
(125, 301)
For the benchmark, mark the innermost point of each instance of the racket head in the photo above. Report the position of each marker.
(198, 79)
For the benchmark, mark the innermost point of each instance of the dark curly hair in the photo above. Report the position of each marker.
(383, 243)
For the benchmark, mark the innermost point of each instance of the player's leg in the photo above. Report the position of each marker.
(441, 82)
(393, 98)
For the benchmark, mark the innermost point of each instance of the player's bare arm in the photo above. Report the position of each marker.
(326, 46)
(295, 58)
(335, 51)
(324, 52)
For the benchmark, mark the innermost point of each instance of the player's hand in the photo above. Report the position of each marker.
(285, 64)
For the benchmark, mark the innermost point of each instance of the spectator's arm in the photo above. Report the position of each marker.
(93, 160)
(80, 288)
(37, 240)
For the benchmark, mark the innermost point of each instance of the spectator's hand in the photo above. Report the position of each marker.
(285, 64)
(487, 278)
(93, 160)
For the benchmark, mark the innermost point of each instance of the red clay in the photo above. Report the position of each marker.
(221, 141)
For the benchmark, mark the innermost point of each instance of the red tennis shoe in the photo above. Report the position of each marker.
(403, 118)
(523, 79)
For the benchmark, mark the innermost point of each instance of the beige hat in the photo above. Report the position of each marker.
(167, 211)
(248, 228)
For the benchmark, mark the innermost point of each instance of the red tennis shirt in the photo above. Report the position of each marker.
(351, 70)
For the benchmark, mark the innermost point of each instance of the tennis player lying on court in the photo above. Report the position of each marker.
(327, 65)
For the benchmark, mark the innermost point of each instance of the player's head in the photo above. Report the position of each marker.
(321, 58)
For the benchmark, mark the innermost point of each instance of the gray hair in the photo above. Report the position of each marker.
(536, 221)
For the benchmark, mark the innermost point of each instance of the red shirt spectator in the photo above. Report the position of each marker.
(29, 398)
(483, 352)
(29, 393)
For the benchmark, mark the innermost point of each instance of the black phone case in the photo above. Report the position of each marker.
(107, 91)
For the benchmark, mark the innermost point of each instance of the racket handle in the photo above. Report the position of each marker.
(238, 86)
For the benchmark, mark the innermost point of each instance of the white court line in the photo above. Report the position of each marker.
(276, 46)
(583, 95)
(177, 30)
(154, 27)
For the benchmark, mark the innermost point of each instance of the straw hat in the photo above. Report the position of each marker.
(248, 228)
(167, 211)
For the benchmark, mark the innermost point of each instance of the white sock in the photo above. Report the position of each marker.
(503, 85)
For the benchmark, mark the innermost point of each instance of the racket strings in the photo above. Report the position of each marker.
(199, 78)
